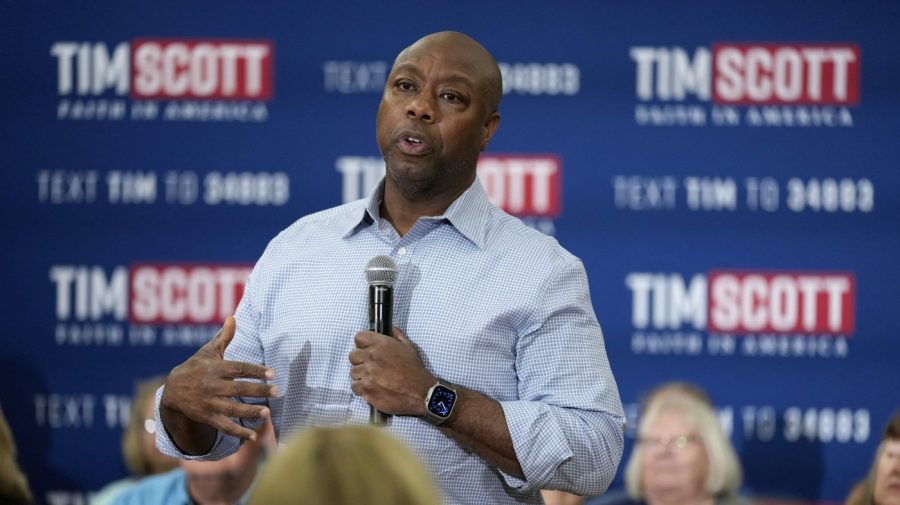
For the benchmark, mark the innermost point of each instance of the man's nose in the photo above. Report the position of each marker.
(422, 108)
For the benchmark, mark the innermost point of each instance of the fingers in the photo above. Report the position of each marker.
(220, 342)
(229, 427)
(357, 373)
(399, 335)
(234, 409)
(224, 411)
(361, 384)
(365, 339)
(357, 388)
(244, 389)
(242, 370)
(357, 357)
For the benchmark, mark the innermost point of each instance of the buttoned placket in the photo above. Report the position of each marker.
(402, 249)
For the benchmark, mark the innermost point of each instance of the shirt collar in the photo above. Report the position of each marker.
(468, 213)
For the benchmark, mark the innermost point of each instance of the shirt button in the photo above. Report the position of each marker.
(401, 251)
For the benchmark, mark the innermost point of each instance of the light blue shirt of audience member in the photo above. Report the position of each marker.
(492, 305)
(168, 488)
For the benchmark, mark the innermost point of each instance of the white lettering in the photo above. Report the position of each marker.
(644, 193)
(64, 52)
(94, 296)
(360, 175)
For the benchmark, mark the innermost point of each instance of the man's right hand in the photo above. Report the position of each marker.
(199, 396)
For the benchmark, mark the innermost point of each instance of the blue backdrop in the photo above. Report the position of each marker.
(726, 171)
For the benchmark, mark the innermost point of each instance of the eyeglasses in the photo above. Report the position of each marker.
(671, 442)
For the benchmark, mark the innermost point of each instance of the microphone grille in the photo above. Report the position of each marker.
(381, 271)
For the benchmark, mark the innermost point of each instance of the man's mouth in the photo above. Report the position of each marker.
(413, 144)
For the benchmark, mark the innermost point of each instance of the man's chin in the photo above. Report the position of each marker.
(411, 172)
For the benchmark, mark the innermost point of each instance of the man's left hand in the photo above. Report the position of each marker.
(388, 373)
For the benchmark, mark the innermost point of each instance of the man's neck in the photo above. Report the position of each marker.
(402, 210)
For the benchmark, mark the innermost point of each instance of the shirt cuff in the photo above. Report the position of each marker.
(539, 441)
(221, 447)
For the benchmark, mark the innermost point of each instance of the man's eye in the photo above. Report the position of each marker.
(451, 97)
(404, 85)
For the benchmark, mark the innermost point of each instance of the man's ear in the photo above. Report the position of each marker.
(490, 126)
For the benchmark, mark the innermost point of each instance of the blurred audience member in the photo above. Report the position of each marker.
(138, 443)
(682, 456)
(349, 465)
(13, 484)
(223, 482)
(882, 486)
(669, 391)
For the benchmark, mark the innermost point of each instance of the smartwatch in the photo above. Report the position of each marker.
(439, 402)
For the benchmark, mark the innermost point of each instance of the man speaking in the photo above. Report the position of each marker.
(496, 374)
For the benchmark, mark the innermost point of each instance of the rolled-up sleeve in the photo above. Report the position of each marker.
(222, 447)
(567, 424)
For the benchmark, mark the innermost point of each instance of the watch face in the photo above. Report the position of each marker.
(442, 400)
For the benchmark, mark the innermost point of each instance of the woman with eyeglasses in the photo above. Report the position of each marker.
(682, 456)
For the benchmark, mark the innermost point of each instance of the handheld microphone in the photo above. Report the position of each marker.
(381, 273)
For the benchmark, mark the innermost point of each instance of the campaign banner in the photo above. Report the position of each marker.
(725, 172)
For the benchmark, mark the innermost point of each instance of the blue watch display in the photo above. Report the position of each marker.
(439, 402)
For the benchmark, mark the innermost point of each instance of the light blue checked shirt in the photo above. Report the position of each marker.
(491, 304)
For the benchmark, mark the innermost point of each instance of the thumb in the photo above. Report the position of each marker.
(399, 335)
(220, 342)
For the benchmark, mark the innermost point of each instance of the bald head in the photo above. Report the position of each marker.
(437, 113)
(476, 58)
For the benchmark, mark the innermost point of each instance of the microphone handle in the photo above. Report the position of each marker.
(381, 307)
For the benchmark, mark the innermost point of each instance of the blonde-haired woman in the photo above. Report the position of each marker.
(13, 483)
(343, 466)
(682, 456)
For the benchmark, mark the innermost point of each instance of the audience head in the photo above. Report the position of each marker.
(882, 486)
(139, 440)
(682, 454)
(13, 484)
(343, 466)
(226, 480)
(886, 470)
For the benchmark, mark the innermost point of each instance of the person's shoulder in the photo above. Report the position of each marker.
(108, 493)
(329, 219)
(333, 214)
(156, 489)
(333, 222)
(518, 239)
